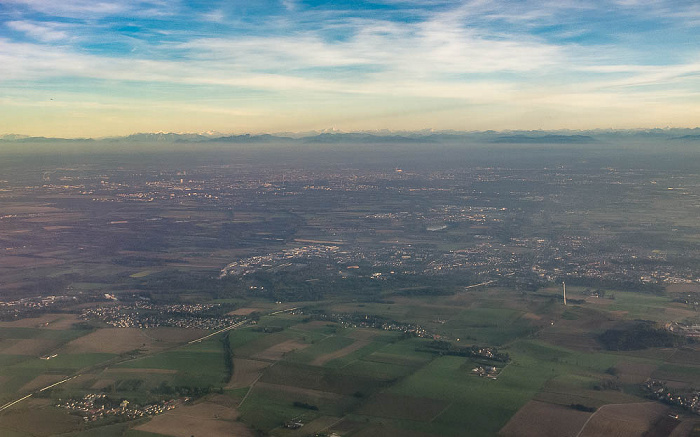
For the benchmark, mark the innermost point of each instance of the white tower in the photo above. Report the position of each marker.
(564, 286)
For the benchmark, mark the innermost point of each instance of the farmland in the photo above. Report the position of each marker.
(401, 294)
(331, 376)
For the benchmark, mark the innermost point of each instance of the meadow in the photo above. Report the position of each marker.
(356, 381)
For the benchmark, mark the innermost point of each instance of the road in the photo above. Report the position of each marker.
(234, 326)
(479, 285)
(283, 311)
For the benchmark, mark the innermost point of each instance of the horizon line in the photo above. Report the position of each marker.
(332, 131)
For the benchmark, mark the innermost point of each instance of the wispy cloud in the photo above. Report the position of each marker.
(46, 32)
(289, 5)
(393, 53)
(82, 9)
(76, 8)
(216, 16)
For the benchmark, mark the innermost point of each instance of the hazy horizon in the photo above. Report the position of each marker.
(417, 133)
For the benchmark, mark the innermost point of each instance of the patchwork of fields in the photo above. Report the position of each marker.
(354, 381)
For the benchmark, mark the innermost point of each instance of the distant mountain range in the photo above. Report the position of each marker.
(386, 137)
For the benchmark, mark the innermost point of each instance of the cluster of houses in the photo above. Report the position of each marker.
(348, 320)
(685, 330)
(294, 424)
(142, 315)
(96, 406)
(490, 372)
(658, 390)
(25, 307)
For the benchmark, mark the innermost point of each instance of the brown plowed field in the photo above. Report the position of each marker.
(41, 381)
(276, 352)
(539, 419)
(323, 359)
(388, 431)
(245, 372)
(119, 340)
(403, 407)
(203, 419)
(48, 321)
(627, 420)
(315, 394)
(634, 373)
(30, 346)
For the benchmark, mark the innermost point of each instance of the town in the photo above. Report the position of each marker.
(93, 407)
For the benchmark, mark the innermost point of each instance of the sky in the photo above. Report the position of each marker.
(93, 68)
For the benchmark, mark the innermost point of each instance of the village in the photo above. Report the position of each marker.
(142, 314)
(97, 406)
(660, 390)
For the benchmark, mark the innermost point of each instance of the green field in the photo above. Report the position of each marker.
(194, 367)
(378, 379)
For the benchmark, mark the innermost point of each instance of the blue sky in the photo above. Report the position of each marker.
(99, 67)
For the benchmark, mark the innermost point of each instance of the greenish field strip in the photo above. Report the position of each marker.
(265, 341)
(494, 336)
(403, 407)
(131, 380)
(8, 360)
(484, 405)
(330, 404)
(264, 410)
(309, 336)
(490, 326)
(320, 378)
(675, 372)
(238, 393)
(484, 316)
(279, 320)
(480, 404)
(356, 355)
(241, 337)
(379, 371)
(321, 347)
(181, 361)
(399, 360)
(43, 334)
(5, 432)
(137, 433)
(12, 379)
(658, 355)
(407, 348)
(640, 305)
(590, 398)
(114, 430)
(194, 368)
(546, 353)
(685, 356)
(398, 312)
(325, 329)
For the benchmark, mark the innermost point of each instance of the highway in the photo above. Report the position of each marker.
(480, 284)
(234, 326)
